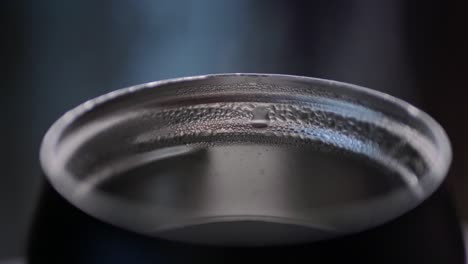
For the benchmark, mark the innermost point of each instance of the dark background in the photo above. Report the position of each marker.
(57, 54)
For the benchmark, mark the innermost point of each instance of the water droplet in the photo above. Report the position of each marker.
(260, 117)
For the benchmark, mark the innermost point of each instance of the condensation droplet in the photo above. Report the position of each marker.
(260, 117)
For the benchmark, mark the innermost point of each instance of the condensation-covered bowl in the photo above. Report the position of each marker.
(245, 159)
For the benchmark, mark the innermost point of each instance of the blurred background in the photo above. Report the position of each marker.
(56, 54)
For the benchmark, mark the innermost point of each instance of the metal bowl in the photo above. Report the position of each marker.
(245, 159)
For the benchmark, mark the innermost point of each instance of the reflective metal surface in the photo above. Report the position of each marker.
(245, 159)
